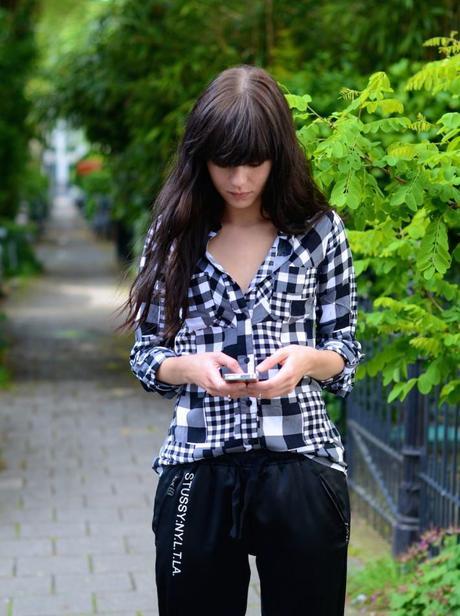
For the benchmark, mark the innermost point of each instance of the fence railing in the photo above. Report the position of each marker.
(404, 460)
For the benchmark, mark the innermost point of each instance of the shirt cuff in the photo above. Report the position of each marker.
(152, 364)
(342, 383)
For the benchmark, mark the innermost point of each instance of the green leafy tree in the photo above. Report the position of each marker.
(396, 179)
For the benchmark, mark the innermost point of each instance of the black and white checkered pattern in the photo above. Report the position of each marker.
(303, 293)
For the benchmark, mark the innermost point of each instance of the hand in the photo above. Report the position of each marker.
(203, 369)
(296, 362)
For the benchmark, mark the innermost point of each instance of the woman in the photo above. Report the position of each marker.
(246, 267)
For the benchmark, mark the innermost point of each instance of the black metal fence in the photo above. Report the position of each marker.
(404, 460)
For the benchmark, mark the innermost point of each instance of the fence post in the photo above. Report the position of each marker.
(407, 527)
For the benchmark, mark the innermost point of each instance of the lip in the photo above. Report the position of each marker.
(240, 195)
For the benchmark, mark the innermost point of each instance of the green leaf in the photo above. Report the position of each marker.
(298, 102)
(389, 105)
(425, 384)
(395, 392)
(450, 120)
(387, 125)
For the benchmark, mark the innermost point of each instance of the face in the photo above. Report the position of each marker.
(240, 187)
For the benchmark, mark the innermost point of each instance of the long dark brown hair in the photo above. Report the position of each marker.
(242, 117)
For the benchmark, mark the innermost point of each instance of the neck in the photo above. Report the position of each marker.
(247, 217)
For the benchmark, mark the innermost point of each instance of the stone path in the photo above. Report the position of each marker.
(77, 438)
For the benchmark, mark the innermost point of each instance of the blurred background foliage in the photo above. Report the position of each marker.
(17, 56)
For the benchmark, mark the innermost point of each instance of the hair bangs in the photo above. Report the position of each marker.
(241, 137)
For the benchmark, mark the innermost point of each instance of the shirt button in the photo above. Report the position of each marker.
(246, 360)
(248, 402)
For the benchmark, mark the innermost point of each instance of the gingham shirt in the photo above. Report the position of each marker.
(303, 293)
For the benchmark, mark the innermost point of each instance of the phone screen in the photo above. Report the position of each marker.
(245, 377)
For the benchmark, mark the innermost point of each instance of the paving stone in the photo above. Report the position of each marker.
(141, 544)
(10, 483)
(56, 501)
(93, 582)
(123, 562)
(120, 528)
(6, 566)
(45, 605)
(23, 516)
(53, 529)
(139, 514)
(26, 584)
(90, 545)
(125, 613)
(98, 488)
(26, 547)
(95, 475)
(125, 601)
(38, 490)
(8, 531)
(117, 501)
(107, 515)
(143, 581)
(44, 565)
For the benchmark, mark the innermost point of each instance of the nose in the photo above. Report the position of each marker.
(238, 176)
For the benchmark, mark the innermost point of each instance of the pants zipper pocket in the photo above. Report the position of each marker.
(172, 486)
(331, 496)
(170, 491)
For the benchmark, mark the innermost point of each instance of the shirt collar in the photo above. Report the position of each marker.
(285, 246)
(281, 234)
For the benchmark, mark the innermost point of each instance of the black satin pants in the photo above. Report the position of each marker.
(291, 512)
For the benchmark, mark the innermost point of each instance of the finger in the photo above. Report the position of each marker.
(267, 394)
(264, 386)
(270, 362)
(234, 392)
(273, 392)
(229, 362)
(222, 388)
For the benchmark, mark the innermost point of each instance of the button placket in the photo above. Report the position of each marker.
(246, 420)
(237, 425)
(246, 406)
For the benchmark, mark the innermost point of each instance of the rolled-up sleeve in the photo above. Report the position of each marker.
(336, 309)
(149, 350)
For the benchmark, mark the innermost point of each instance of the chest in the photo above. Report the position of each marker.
(241, 257)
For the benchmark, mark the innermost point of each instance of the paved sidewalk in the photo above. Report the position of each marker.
(77, 437)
